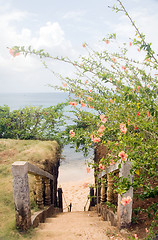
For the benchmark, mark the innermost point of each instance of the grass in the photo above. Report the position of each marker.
(11, 150)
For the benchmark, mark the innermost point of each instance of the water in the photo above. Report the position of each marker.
(73, 167)
(20, 100)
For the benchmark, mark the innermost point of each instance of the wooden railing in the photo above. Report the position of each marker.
(21, 192)
(105, 194)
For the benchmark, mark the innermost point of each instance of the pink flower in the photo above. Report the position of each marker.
(100, 134)
(103, 118)
(101, 129)
(107, 41)
(146, 230)
(123, 156)
(12, 52)
(130, 44)
(148, 113)
(90, 99)
(136, 237)
(82, 104)
(84, 45)
(137, 113)
(72, 133)
(92, 107)
(88, 170)
(110, 79)
(111, 100)
(92, 137)
(126, 200)
(86, 82)
(138, 49)
(101, 166)
(123, 128)
(90, 91)
(138, 87)
(114, 59)
(73, 103)
(124, 67)
(64, 84)
(96, 139)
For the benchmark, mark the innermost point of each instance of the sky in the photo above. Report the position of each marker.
(61, 27)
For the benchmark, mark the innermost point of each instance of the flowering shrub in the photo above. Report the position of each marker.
(115, 104)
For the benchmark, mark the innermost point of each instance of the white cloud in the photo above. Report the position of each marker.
(28, 74)
(50, 35)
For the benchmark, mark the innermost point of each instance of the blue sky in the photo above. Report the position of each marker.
(61, 27)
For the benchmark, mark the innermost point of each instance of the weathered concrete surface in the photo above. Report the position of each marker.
(107, 214)
(74, 226)
(30, 168)
(21, 195)
(21, 190)
(124, 213)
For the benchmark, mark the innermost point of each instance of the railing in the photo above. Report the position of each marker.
(21, 192)
(105, 194)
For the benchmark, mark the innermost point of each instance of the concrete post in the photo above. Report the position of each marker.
(92, 202)
(21, 195)
(60, 198)
(124, 213)
(47, 192)
(102, 198)
(109, 188)
(39, 192)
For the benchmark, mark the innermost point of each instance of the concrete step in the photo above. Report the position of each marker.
(73, 225)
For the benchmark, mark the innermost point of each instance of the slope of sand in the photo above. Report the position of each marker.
(74, 180)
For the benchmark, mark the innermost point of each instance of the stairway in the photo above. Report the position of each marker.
(74, 226)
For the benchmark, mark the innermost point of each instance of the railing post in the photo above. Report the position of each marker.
(103, 192)
(109, 188)
(39, 192)
(60, 199)
(47, 192)
(21, 195)
(124, 213)
(92, 202)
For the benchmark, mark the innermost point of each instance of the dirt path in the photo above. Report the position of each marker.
(77, 225)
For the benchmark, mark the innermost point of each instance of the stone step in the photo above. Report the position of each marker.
(73, 225)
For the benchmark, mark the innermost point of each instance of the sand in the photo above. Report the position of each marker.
(76, 193)
(75, 181)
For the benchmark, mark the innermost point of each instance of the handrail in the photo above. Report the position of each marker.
(86, 204)
(67, 206)
(111, 168)
(123, 220)
(32, 169)
(20, 170)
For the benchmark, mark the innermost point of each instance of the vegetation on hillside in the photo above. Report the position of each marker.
(11, 150)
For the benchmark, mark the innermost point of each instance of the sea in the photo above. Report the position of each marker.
(73, 164)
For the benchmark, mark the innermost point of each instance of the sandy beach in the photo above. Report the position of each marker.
(75, 181)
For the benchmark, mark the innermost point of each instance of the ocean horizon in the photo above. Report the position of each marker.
(20, 100)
